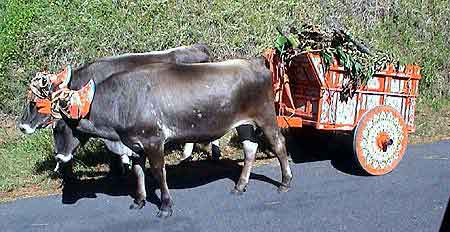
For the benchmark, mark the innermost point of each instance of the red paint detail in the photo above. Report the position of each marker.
(60, 77)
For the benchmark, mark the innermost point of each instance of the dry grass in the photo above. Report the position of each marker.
(35, 190)
(432, 123)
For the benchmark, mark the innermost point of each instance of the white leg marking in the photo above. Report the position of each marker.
(215, 149)
(125, 159)
(250, 147)
(118, 148)
(216, 143)
(57, 167)
(63, 158)
(27, 129)
(187, 151)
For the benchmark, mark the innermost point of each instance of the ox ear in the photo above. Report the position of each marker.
(88, 91)
(62, 79)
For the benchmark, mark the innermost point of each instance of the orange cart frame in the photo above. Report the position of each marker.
(307, 93)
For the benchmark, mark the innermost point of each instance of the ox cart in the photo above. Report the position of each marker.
(379, 114)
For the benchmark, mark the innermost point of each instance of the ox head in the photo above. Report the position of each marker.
(37, 110)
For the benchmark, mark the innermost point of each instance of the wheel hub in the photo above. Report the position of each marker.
(383, 141)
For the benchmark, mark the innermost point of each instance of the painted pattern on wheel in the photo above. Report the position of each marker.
(380, 140)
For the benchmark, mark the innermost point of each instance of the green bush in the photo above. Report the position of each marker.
(16, 19)
(49, 34)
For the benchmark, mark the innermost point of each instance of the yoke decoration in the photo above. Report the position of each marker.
(44, 83)
(71, 103)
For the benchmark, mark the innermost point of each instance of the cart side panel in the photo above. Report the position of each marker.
(311, 93)
(395, 86)
(305, 89)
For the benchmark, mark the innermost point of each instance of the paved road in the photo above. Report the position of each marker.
(326, 196)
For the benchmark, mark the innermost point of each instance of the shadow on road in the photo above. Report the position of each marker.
(305, 145)
(309, 145)
(182, 176)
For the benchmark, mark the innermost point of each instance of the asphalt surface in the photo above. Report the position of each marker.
(326, 196)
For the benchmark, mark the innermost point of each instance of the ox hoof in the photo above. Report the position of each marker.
(164, 213)
(283, 189)
(238, 191)
(137, 204)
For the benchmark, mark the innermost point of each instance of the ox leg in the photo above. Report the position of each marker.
(159, 172)
(278, 144)
(66, 172)
(116, 166)
(138, 170)
(120, 163)
(215, 149)
(250, 149)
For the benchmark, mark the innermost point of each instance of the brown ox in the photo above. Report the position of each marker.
(151, 105)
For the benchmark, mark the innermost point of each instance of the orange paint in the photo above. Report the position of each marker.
(382, 139)
(61, 80)
(44, 106)
(301, 91)
(286, 122)
(78, 102)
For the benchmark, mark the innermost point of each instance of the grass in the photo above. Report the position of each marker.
(19, 159)
(433, 122)
(47, 34)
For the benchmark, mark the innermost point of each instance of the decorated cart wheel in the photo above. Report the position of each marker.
(380, 140)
